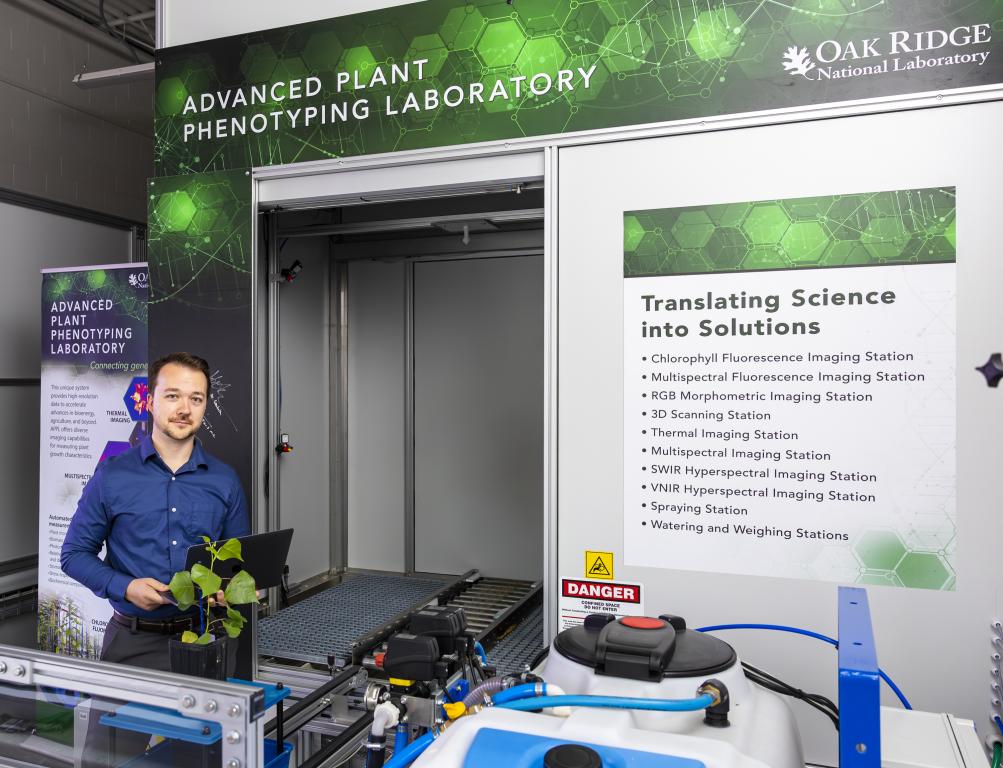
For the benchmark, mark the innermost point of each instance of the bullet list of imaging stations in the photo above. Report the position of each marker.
(745, 443)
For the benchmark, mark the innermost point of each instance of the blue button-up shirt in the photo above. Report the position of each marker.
(148, 517)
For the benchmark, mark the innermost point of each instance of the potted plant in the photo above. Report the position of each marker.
(207, 653)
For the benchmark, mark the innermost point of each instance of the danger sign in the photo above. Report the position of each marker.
(621, 593)
(599, 565)
(581, 598)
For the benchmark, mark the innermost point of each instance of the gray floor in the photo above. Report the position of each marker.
(19, 630)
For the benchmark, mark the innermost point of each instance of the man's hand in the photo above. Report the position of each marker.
(218, 600)
(145, 593)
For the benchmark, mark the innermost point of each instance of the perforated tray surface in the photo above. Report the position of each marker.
(520, 646)
(328, 622)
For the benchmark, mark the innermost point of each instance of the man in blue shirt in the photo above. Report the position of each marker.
(147, 506)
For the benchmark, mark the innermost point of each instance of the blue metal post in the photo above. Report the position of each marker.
(859, 684)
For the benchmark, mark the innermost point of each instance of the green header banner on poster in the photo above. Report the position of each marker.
(446, 72)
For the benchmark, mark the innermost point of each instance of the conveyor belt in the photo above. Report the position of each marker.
(488, 599)
(329, 622)
(513, 652)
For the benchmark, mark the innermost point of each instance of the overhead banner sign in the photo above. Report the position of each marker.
(93, 407)
(789, 388)
(451, 72)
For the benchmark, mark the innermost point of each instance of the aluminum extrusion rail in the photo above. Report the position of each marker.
(311, 705)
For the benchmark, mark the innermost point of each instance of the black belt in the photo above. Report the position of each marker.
(161, 626)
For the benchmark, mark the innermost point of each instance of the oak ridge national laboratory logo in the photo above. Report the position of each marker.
(139, 279)
(899, 51)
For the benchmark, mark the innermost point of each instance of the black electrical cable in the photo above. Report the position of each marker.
(814, 700)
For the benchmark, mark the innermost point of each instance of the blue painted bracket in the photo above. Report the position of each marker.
(859, 683)
(162, 722)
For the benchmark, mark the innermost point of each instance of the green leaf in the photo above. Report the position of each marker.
(208, 581)
(241, 589)
(230, 550)
(183, 590)
(204, 639)
(235, 616)
(206, 539)
(232, 628)
(188, 637)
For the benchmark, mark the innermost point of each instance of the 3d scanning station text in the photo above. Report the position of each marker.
(73, 329)
(307, 101)
(769, 305)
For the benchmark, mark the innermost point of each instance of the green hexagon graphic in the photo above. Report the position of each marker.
(632, 232)
(359, 59)
(844, 253)
(693, 229)
(541, 54)
(728, 214)
(761, 257)
(727, 247)
(174, 211)
(766, 223)
(885, 237)
(258, 62)
(716, 34)
(804, 242)
(203, 220)
(462, 27)
(622, 11)
(501, 43)
(880, 579)
(171, 96)
(323, 51)
(545, 14)
(923, 570)
(625, 47)
(385, 41)
(429, 47)
(880, 550)
(289, 68)
(96, 278)
(951, 233)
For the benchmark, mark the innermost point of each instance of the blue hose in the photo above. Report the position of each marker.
(481, 652)
(612, 702)
(999, 723)
(808, 633)
(520, 692)
(411, 752)
(402, 737)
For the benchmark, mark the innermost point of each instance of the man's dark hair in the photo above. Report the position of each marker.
(185, 359)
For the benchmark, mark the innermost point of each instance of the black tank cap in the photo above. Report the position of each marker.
(572, 756)
(639, 653)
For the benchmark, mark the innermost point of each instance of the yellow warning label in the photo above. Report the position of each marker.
(599, 565)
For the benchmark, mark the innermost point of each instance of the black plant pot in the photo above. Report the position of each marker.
(215, 660)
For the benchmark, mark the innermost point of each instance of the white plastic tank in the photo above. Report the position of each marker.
(636, 658)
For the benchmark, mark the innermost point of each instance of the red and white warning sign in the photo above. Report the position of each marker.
(579, 598)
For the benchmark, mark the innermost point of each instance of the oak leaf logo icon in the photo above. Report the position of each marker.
(798, 61)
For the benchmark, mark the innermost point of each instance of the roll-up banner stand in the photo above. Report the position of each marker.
(93, 407)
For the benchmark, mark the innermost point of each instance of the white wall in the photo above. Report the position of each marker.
(935, 645)
(33, 240)
(190, 21)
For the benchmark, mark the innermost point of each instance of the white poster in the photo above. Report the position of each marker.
(93, 406)
(796, 419)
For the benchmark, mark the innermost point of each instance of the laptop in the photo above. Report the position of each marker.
(264, 557)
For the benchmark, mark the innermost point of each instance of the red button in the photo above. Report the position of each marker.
(642, 622)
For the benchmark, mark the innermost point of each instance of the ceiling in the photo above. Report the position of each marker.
(132, 22)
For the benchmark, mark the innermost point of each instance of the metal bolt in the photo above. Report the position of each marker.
(234, 763)
(211, 705)
(234, 711)
(3, 668)
(403, 699)
(233, 737)
(861, 748)
(19, 671)
(188, 701)
(206, 730)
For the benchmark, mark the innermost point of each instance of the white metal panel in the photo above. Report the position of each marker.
(191, 21)
(304, 490)
(479, 416)
(342, 186)
(376, 415)
(934, 644)
(34, 240)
